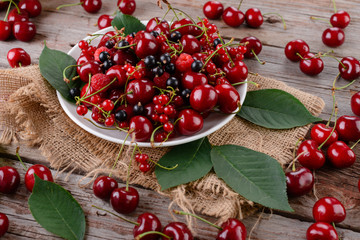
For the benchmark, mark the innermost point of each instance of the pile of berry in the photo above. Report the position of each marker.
(161, 81)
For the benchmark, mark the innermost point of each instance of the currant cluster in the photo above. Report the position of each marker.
(162, 81)
(17, 23)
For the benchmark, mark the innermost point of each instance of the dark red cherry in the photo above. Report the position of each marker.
(340, 19)
(177, 231)
(127, 6)
(24, 31)
(89, 69)
(236, 73)
(232, 229)
(91, 6)
(254, 18)
(33, 7)
(153, 22)
(9, 179)
(294, 47)
(5, 30)
(141, 90)
(103, 187)
(191, 79)
(104, 21)
(18, 57)
(355, 103)
(320, 132)
(4, 224)
(190, 122)
(122, 57)
(15, 16)
(311, 65)
(312, 158)
(233, 17)
(147, 222)
(179, 26)
(41, 171)
(329, 210)
(253, 46)
(351, 70)
(348, 128)
(146, 45)
(203, 98)
(190, 44)
(119, 73)
(333, 37)
(341, 155)
(124, 201)
(228, 98)
(321, 231)
(213, 9)
(111, 35)
(142, 128)
(299, 182)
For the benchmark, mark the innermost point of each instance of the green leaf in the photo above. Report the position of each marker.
(275, 109)
(131, 23)
(56, 210)
(52, 64)
(193, 161)
(254, 175)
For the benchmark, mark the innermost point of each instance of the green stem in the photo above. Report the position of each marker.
(185, 14)
(321, 19)
(294, 153)
(251, 82)
(355, 144)
(69, 5)
(226, 51)
(128, 172)
(138, 237)
(121, 149)
(257, 58)
(64, 72)
(347, 85)
(8, 10)
(333, 109)
(334, 4)
(18, 156)
(195, 216)
(333, 129)
(210, 57)
(277, 14)
(240, 4)
(124, 219)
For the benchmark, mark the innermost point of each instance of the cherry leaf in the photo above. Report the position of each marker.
(130, 23)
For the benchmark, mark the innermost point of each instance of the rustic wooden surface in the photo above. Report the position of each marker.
(62, 29)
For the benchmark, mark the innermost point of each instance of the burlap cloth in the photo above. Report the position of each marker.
(30, 112)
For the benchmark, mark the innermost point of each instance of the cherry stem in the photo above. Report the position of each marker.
(277, 14)
(185, 25)
(18, 156)
(185, 14)
(122, 218)
(298, 54)
(128, 172)
(257, 58)
(334, 4)
(69, 5)
(64, 73)
(8, 10)
(81, 99)
(138, 237)
(211, 55)
(327, 55)
(240, 4)
(347, 85)
(321, 19)
(106, 128)
(294, 153)
(355, 144)
(226, 51)
(251, 82)
(333, 129)
(333, 224)
(333, 108)
(124, 47)
(195, 216)
(118, 156)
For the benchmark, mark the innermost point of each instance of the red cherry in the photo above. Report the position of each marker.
(9, 179)
(104, 21)
(103, 187)
(294, 47)
(348, 128)
(213, 9)
(329, 210)
(124, 201)
(122, 57)
(18, 57)
(229, 98)
(142, 128)
(4, 224)
(153, 22)
(141, 90)
(191, 79)
(253, 46)
(232, 229)
(146, 45)
(178, 25)
(321, 231)
(351, 70)
(254, 18)
(15, 16)
(190, 122)
(203, 98)
(311, 65)
(320, 132)
(236, 73)
(33, 7)
(127, 6)
(313, 158)
(355, 103)
(24, 31)
(333, 37)
(299, 182)
(177, 231)
(41, 171)
(340, 19)
(233, 17)
(5, 30)
(119, 73)
(147, 222)
(340, 155)
(91, 6)
(190, 44)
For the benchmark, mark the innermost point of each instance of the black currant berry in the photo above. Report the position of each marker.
(165, 59)
(158, 71)
(104, 56)
(150, 61)
(110, 44)
(155, 34)
(185, 94)
(170, 68)
(138, 109)
(123, 43)
(216, 42)
(175, 36)
(196, 66)
(108, 64)
(121, 116)
(74, 92)
(172, 82)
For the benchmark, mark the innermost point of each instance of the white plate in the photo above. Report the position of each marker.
(212, 123)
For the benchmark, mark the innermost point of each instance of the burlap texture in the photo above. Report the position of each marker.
(30, 112)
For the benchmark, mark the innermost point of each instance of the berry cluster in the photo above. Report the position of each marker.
(16, 22)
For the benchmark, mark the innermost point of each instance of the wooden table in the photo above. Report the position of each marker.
(62, 29)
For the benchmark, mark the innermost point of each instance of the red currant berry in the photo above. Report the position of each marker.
(107, 105)
(144, 167)
(168, 127)
(110, 121)
(9, 180)
(124, 200)
(299, 182)
(18, 57)
(103, 187)
(163, 118)
(81, 110)
(329, 210)
(41, 171)
(213, 9)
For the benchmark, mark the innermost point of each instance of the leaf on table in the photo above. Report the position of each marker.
(56, 210)
(254, 175)
(193, 161)
(275, 109)
(52, 64)
(130, 23)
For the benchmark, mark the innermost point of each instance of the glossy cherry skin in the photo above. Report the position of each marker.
(329, 210)
(177, 231)
(313, 158)
(91, 6)
(348, 128)
(4, 224)
(177, 24)
(41, 171)
(119, 73)
(191, 79)
(321, 231)
(203, 98)
(351, 70)
(355, 103)
(236, 73)
(123, 57)
(333, 37)
(299, 182)
(228, 98)
(24, 31)
(233, 17)
(127, 6)
(147, 222)
(123, 201)
(232, 229)
(254, 18)
(146, 45)
(190, 122)
(190, 44)
(33, 7)
(142, 128)
(141, 90)
(18, 57)
(341, 155)
(213, 9)
(253, 46)
(340, 19)
(104, 21)
(9, 179)
(320, 132)
(90, 68)
(5, 30)
(311, 65)
(103, 187)
(294, 47)
(153, 22)
(15, 16)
